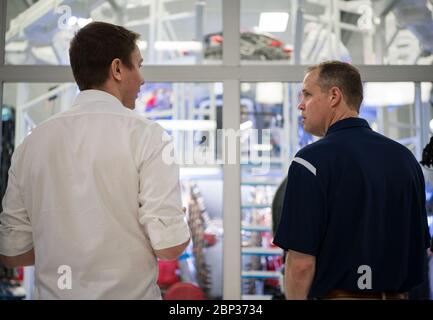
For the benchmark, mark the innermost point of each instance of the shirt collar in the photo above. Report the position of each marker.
(348, 123)
(89, 96)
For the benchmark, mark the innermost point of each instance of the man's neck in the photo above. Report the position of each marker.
(110, 90)
(347, 113)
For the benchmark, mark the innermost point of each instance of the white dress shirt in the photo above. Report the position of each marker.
(89, 190)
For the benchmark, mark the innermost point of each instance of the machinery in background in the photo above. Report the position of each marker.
(254, 46)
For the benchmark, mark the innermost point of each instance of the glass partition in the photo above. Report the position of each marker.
(272, 133)
(362, 32)
(172, 32)
(191, 114)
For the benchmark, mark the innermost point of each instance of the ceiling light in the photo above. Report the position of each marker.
(178, 45)
(17, 46)
(187, 125)
(273, 21)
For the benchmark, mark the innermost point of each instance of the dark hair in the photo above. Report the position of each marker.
(427, 154)
(344, 76)
(94, 48)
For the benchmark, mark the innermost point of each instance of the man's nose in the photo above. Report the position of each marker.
(301, 106)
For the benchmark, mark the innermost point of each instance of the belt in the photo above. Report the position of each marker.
(342, 294)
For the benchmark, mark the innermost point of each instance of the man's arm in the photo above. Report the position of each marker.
(15, 227)
(172, 252)
(22, 260)
(160, 211)
(298, 275)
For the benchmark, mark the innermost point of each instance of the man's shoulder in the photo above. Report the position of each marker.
(394, 148)
(100, 110)
(317, 150)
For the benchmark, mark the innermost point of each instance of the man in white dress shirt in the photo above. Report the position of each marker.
(90, 201)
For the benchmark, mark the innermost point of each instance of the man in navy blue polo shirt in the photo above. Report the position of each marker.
(354, 220)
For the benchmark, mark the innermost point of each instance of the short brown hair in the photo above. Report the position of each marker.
(94, 48)
(342, 75)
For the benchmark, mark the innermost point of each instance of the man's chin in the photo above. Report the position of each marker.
(312, 131)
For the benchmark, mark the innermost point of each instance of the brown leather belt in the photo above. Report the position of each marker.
(342, 294)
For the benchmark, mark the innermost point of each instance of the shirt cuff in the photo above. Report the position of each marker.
(14, 242)
(166, 232)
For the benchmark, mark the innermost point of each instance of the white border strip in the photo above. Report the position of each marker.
(306, 164)
(219, 73)
(232, 172)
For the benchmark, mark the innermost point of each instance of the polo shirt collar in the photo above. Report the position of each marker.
(88, 96)
(348, 123)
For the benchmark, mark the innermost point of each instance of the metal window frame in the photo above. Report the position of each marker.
(231, 72)
(232, 172)
(3, 14)
(219, 73)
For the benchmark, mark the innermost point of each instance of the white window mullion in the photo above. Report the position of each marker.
(3, 13)
(219, 73)
(3, 16)
(232, 172)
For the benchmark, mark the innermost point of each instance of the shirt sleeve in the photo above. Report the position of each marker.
(15, 229)
(303, 217)
(161, 211)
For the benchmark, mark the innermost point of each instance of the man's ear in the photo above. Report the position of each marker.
(335, 96)
(115, 69)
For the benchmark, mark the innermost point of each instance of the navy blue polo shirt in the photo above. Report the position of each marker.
(356, 198)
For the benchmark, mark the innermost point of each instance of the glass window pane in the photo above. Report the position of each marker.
(191, 113)
(172, 32)
(270, 122)
(371, 32)
(264, 159)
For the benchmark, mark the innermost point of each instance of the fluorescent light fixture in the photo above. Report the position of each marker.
(245, 87)
(131, 6)
(385, 94)
(426, 88)
(218, 88)
(185, 172)
(246, 125)
(178, 45)
(45, 54)
(17, 46)
(188, 125)
(270, 92)
(273, 21)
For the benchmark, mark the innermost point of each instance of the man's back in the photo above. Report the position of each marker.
(90, 182)
(371, 192)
